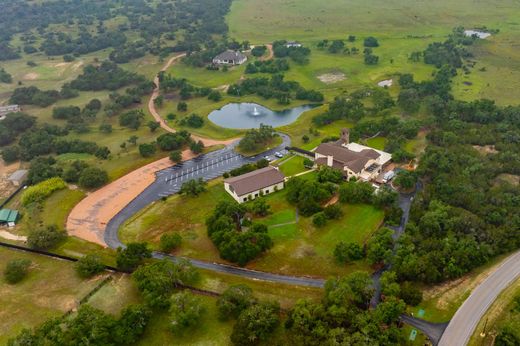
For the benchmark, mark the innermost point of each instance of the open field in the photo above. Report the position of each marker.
(51, 288)
(401, 27)
(300, 248)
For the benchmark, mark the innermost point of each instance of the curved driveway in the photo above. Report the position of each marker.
(465, 320)
(169, 182)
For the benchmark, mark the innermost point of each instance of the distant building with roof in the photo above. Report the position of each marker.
(230, 57)
(4, 110)
(293, 44)
(353, 159)
(249, 186)
(8, 217)
(18, 177)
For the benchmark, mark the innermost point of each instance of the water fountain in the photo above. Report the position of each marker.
(256, 112)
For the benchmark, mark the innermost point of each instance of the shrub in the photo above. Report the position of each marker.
(41, 191)
(89, 265)
(233, 301)
(319, 219)
(147, 149)
(132, 256)
(176, 156)
(170, 241)
(93, 177)
(410, 294)
(46, 238)
(16, 270)
(333, 212)
(348, 252)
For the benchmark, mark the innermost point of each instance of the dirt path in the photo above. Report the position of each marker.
(270, 52)
(89, 218)
(151, 107)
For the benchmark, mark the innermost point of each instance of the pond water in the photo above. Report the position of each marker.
(251, 115)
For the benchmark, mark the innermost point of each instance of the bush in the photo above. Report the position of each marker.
(348, 252)
(233, 301)
(410, 294)
(333, 212)
(194, 120)
(16, 270)
(41, 191)
(371, 42)
(170, 241)
(46, 238)
(319, 219)
(132, 256)
(93, 177)
(147, 149)
(176, 156)
(89, 265)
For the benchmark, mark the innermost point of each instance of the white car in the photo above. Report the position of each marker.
(268, 158)
(278, 155)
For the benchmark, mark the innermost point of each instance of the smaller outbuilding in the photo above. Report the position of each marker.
(230, 57)
(8, 217)
(18, 177)
(249, 186)
(4, 110)
(293, 44)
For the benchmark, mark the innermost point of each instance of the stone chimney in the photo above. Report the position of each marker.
(345, 136)
(330, 158)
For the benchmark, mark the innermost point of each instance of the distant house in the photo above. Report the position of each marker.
(353, 159)
(18, 177)
(249, 186)
(230, 57)
(8, 217)
(293, 44)
(4, 110)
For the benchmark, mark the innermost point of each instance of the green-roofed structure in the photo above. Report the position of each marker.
(8, 216)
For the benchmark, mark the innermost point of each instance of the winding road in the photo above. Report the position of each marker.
(467, 317)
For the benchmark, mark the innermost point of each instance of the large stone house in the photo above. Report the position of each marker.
(230, 57)
(249, 186)
(353, 159)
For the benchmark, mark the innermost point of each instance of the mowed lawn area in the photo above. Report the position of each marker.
(51, 288)
(299, 247)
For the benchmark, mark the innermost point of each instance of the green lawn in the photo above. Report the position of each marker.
(51, 288)
(292, 165)
(377, 142)
(299, 248)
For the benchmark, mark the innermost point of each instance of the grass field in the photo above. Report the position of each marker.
(300, 248)
(401, 27)
(292, 165)
(51, 288)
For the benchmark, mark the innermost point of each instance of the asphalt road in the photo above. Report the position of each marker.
(465, 320)
(207, 167)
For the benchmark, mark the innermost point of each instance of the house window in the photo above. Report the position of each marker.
(244, 199)
(256, 195)
(266, 192)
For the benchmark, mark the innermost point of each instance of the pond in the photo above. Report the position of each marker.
(251, 115)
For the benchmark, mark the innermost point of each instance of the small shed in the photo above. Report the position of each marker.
(8, 217)
(18, 177)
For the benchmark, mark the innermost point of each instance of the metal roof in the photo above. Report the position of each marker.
(8, 215)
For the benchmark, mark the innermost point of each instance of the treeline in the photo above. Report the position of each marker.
(256, 139)
(200, 21)
(107, 76)
(268, 66)
(43, 98)
(450, 52)
(276, 88)
(299, 55)
(49, 139)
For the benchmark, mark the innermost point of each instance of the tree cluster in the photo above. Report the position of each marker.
(299, 55)
(236, 243)
(268, 66)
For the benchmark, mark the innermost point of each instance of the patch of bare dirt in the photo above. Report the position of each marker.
(31, 76)
(77, 65)
(331, 78)
(62, 64)
(508, 178)
(452, 291)
(6, 187)
(485, 149)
